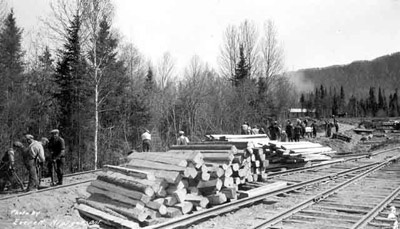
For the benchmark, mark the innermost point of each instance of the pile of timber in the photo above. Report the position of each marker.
(341, 136)
(286, 155)
(155, 186)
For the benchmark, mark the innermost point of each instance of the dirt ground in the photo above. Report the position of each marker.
(52, 209)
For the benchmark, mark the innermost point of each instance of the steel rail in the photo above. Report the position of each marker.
(376, 210)
(337, 161)
(224, 208)
(285, 214)
(45, 189)
(81, 173)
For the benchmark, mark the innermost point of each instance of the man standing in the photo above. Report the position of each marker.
(35, 155)
(245, 128)
(314, 129)
(297, 131)
(146, 138)
(57, 151)
(7, 169)
(182, 139)
(289, 130)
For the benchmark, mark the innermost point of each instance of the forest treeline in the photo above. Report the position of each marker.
(333, 101)
(101, 92)
(356, 77)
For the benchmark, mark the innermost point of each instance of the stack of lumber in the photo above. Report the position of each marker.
(240, 141)
(341, 136)
(285, 155)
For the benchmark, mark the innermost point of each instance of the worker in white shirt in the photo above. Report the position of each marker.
(146, 139)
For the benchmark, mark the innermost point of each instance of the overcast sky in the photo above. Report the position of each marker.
(313, 33)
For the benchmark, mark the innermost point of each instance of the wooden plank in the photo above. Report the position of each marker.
(105, 218)
(122, 191)
(158, 157)
(131, 172)
(263, 189)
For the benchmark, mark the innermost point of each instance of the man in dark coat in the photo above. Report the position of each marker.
(57, 149)
(289, 131)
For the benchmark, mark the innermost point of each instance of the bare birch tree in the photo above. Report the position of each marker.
(93, 13)
(247, 36)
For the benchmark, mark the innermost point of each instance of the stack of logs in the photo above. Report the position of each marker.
(154, 186)
(296, 154)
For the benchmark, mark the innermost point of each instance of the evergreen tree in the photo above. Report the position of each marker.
(242, 69)
(372, 104)
(73, 94)
(12, 93)
(149, 81)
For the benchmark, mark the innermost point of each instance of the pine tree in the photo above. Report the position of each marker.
(242, 69)
(149, 81)
(12, 93)
(372, 104)
(73, 93)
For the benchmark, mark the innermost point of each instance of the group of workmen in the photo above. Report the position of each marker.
(292, 132)
(38, 156)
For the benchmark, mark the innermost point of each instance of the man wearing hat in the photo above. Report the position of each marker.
(57, 150)
(146, 139)
(182, 139)
(35, 155)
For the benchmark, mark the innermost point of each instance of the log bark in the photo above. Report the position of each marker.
(122, 191)
(114, 196)
(128, 184)
(134, 213)
(99, 206)
(108, 219)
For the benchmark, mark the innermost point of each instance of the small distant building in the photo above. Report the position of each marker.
(298, 112)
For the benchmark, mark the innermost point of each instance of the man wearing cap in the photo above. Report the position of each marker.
(146, 138)
(35, 157)
(182, 139)
(57, 150)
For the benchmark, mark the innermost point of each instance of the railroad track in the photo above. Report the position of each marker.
(334, 175)
(350, 202)
(69, 180)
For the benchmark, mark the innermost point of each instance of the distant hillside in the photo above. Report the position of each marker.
(356, 78)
